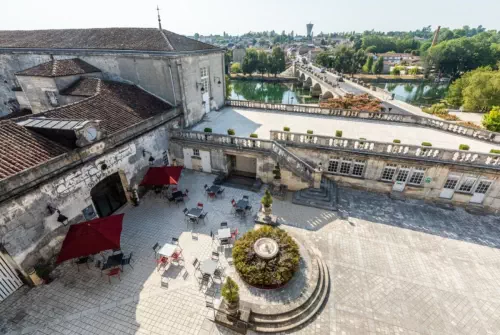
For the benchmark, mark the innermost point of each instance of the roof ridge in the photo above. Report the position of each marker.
(54, 65)
(169, 45)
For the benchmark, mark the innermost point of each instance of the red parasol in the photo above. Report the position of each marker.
(164, 175)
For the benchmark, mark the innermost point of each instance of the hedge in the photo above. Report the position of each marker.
(396, 141)
(463, 147)
(286, 128)
(338, 133)
(426, 144)
(230, 132)
(310, 132)
(494, 151)
(254, 135)
(207, 130)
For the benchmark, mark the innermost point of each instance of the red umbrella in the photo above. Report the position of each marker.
(163, 175)
(91, 237)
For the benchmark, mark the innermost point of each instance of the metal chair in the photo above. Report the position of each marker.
(114, 272)
(215, 256)
(186, 194)
(156, 247)
(223, 224)
(205, 280)
(203, 216)
(126, 261)
(196, 264)
(218, 274)
(211, 195)
(220, 192)
(245, 197)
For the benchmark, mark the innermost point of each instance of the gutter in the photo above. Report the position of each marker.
(108, 51)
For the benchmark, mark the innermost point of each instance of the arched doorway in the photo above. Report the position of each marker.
(108, 195)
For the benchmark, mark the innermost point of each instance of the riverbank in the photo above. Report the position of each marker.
(384, 78)
(265, 78)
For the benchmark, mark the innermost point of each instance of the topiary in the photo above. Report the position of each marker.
(207, 130)
(310, 132)
(463, 147)
(426, 144)
(286, 128)
(494, 151)
(267, 199)
(253, 135)
(396, 141)
(338, 133)
(230, 291)
(231, 132)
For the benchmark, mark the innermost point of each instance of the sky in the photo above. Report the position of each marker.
(238, 17)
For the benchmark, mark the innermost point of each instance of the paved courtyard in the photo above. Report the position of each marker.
(396, 268)
(247, 121)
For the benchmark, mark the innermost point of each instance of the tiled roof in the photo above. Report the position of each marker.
(59, 68)
(117, 105)
(84, 87)
(144, 39)
(21, 149)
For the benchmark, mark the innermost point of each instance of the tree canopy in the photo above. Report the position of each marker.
(343, 59)
(277, 61)
(250, 61)
(492, 120)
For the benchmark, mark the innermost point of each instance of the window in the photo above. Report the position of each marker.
(417, 176)
(203, 72)
(196, 152)
(451, 184)
(333, 165)
(165, 158)
(358, 168)
(345, 167)
(467, 184)
(483, 186)
(204, 78)
(51, 95)
(389, 171)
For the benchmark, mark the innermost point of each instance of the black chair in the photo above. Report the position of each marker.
(223, 224)
(196, 264)
(205, 187)
(203, 216)
(106, 266)
(156, 247)
(215, 256)
(245, 197)
(126, 261)
(80, 261)
(248, 208)
(175, 240)
(220, 192)
(205, 280)
(193, 220)
(170, 200)
(179, 200)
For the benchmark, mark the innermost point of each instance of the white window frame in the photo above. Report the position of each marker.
(389, 167)
(196, 152)
(333, 162)
(419, 173)
(335, 165)
(481, 190)
(402, 171)
(470, 180)
(451, 181)
(348, 163)
(204, 78)
(358, 164)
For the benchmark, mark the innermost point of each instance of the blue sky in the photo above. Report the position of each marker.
(237, 17)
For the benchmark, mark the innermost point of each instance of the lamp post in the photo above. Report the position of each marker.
(292, 100)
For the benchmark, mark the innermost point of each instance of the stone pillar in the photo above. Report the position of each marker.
(317, 178)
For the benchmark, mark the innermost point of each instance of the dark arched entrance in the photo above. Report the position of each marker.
(108, 195)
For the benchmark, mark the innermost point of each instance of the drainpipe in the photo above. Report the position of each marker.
(183, 92)
(172, 82)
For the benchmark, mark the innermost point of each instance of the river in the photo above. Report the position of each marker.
(424, 93)
(286, 93)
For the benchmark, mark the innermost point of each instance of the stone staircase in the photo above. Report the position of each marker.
(324, 197)
(293, 163)
(276, 322)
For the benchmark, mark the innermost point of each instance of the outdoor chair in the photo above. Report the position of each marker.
(196, 264)
(162, 262)
(220, 192)
(177, 257)
(82, 260)
(205, 280)
(240, 211)
(200, 205)
(164, 282)
(170, 200)
(203, 216)
(186, 194)
(205, 187)
(215, 256)
(185, 210)
(248, 208)
(126, 261)
(174, 189)
(175, 241)
(245, 197)
(211, 195)
(114, 272)
(156, 247)
(218, 274)
(179, 200)
(224, 242)
(234, 233)
(193, 220)
(223, 224)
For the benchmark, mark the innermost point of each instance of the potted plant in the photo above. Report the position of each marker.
(277, 175)
(230, 292)
(267, 201)
(231, 133)
(134, 196)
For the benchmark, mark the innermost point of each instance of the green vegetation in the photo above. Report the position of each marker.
(254, 135)
(367, 68)
(381, 44)
(229, 87)
(396, 141)
(271, 273)
(440, 110)
(338, 133)
(477, 90)
(463, 147)
(277, 61)
(378, 66)
(250, 61)
(262, 62)
(310, 132)
(230, 291)
(236, 68)
(286, 128)
(491, 121)
(207, 130)
(267, 199)
(343, 59)
(426, 144)
(277, 172)
(396, 71)
(413, 71)
(231, 132)
(494, 151)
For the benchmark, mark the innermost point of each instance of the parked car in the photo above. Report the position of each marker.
(323, 70)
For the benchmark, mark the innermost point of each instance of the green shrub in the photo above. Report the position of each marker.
(254, 135)
(267, 199)
(494, 151)
(270, 273)
(338, 133)
(463, 147)
(362, 139)
(310, 132)
(491, 120)
(396, 141)
(286, 128)
(207, 130)
(426, 144)
(230, 132)
(277, 172)
(230, 291)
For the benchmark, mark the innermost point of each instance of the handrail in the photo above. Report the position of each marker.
(389, 149)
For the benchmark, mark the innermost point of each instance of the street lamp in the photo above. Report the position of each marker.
(292, 100)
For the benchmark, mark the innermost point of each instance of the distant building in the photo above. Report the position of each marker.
(392, 59)
(309, 30)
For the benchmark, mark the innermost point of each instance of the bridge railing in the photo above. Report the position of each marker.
(450, 127)
(479, 159)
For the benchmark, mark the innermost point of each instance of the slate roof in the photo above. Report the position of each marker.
(21, 149)
(116, 105)
(60, 68)
(142, 39)
(84, 87)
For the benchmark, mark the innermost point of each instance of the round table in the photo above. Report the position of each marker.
(208, 266)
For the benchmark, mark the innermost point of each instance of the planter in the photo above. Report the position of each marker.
(34, 277)
(277, 182)
(268, 210)
(233, 308)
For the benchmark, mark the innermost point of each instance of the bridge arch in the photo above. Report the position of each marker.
(328, 95)
(316, 90)
(308, 82)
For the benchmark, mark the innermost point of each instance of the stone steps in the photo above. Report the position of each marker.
(290, 320)
(323, 198)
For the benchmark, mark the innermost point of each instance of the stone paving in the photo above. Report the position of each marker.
(396, 268)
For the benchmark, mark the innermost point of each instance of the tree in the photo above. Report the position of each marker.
(277, 61)
(229, 87)
(396, 71)
(250, 61)
(477, 90)
(236, 68)
(228, 56)
(378, 66)
(367, 68)
(263, 62)
(492, 120)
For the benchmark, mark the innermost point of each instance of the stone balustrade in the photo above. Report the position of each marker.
(478, 159)
(450, 127)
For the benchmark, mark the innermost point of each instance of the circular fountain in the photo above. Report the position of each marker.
(266, 248)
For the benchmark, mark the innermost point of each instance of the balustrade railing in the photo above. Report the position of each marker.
(480, 134)
(388, 149)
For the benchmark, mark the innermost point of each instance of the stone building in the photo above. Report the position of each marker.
(87, 111)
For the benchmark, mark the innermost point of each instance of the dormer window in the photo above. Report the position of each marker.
(51, 95)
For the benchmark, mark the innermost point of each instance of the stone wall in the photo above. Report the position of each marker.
(29, 232)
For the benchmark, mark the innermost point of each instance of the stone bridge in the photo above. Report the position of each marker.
(318, 84)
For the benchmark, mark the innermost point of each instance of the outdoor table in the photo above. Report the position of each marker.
(115, 260)
(208, 267)
(224, 233)
(177, 194)
(213, 189)
(167, 250)
(194, 212)
(242, 204)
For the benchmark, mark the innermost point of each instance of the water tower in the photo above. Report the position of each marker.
(309, 30)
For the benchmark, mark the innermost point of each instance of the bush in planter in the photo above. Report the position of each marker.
(286, 128)
(230, 291)
(271, 273)
(310, 132)
(396, 141)
(231, 132)
(277, 172)
(207, 130)
(463, 147)
(494, 151)
(426, 144)
(338, 133)
(267, 199)
(253, 135)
